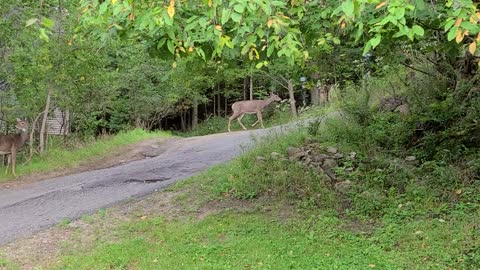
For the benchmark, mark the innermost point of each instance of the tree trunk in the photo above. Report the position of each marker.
(251, 87)
(43, 129)
(292, 98)
(214, 105)
(32, 133)
(315, 94)
(245, 88)
(195, 114)
(226, 106)
(183, 125)
(219, 105)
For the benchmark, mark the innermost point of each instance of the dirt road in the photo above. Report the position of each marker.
(29, 208)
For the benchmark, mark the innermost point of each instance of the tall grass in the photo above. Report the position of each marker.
(60, 157)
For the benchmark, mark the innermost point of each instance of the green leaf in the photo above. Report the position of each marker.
(201, 53)
(259, 65)
(47, 22)
(239, 8)
(161, 42)
(270, 50)
(367, 47)
(170, 46)
(225, 15)
(418, 30)
(449, 24)
(452, 33)
(420, 5)
(31, 22)
(348, 8)
(103, 7)
(236, 17)
(43, 35)
(375, 40)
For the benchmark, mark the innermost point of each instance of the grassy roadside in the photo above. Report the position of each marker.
(275, 214)
(61, 158)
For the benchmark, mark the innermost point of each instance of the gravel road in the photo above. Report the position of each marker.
(28, 209)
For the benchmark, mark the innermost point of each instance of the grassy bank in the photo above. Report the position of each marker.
(60, 157)
(276, 214)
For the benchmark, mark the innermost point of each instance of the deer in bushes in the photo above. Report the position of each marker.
(240, 108)
(11, 143)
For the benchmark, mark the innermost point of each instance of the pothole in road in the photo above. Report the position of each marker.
(147, 181)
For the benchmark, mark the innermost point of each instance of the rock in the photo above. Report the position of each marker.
(403, 109)
(329, 164)
(343, 187)
(307, 160)
(259, 160)
(338, 156)
(410, 158)
(320, 157)
(332, 150)
(352, 155)
(349, 170)
(295, 153)
(275, 155)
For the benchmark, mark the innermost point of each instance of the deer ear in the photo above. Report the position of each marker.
(19, 120)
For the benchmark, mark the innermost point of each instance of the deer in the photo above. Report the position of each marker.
(240, 108)
(11, 143)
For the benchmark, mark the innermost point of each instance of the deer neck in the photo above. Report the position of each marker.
(23, 136)
(267, 102)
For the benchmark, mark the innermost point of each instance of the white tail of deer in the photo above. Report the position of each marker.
(240, 108)
(10, 144)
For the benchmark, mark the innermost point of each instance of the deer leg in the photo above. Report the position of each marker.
(8, 163)
(259, 117)
(234, 115)
(240, 122)
(14, 157)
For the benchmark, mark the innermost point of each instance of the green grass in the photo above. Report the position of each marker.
(58, 157)
(423, 233)
(255, 241)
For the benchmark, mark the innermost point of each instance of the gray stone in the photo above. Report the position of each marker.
(275, 155)
(343, 187)
(259, 160)
(320, 157)
(329, 164)
(410, 158)
(332, 150)
(338, 156)
(295, 153)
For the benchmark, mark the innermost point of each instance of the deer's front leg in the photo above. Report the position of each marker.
(239, 119)
(14, 157)
(259, 118)
(8, 163)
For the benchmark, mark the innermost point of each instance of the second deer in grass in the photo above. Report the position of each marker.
(240, 108)
(11, 143)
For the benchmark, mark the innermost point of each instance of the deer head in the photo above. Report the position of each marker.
(21, 125)
(275, 97)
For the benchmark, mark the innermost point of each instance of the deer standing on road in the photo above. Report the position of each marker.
(240, 108)
(11, 143)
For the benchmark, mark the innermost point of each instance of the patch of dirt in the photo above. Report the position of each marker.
(137, 151)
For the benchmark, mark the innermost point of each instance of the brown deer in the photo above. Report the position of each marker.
(240, 108)
(11, 143)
